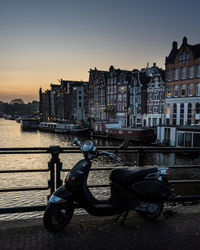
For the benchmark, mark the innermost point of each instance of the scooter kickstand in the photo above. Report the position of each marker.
(123, 215)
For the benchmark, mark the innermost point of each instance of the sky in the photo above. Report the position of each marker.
(43, 41)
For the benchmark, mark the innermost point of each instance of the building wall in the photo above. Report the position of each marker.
(183, 85)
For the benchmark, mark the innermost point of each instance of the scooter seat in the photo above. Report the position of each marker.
(127, 176)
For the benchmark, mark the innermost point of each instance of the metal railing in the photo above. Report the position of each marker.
(55, 169)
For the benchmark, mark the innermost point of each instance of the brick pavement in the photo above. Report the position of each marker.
(179, 231)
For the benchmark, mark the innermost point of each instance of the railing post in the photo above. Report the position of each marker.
(52, 183)
(58, 170)
(141, 157)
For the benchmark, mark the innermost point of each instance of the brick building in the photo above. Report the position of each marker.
(182, 103)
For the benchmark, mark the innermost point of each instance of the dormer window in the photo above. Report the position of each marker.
(185, 56)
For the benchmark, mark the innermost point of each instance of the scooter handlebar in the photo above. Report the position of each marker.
(113, 156)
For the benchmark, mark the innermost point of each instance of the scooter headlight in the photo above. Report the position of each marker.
(56, 199)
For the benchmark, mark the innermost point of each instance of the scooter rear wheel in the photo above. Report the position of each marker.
(57, 216)
(153, 212)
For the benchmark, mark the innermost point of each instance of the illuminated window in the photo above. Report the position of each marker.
(169, 93)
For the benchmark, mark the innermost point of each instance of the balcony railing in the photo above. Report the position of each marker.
(55, 169)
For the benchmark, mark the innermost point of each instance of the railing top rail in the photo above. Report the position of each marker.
(115, 148)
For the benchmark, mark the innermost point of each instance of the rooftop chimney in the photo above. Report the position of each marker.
(174, 45)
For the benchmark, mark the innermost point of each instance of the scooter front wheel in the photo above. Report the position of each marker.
(57, 216)
(153, 211)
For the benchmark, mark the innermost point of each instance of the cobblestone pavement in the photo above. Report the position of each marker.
(176, 231)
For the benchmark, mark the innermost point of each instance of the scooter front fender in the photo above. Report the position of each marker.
(61, 195)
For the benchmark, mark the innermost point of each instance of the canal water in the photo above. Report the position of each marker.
(12, 136)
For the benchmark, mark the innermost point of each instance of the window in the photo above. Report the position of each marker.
(80, 105)
(114, 89)
(198, 70)
(182, 114)
(189, 114)
(185, 56)
(169, 75)
(183, 73)
(197, 108)
(122, 79)
(176, 74)
(156, 96)
(175, 90)
(108, 89)
(155, 109)
(79, 98)
(188, 139)
(196, 140)
(191, 71)
(169, 93)
(181, 139)
(190, 89)
(183, 90)
(124, 98)
(119, 97)
(198, 89)
(174, 114)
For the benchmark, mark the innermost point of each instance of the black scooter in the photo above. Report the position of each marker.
(144, 190)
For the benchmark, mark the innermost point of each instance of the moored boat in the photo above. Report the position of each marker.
(138, 134)
(62, 128)
(29, 123)
(47, 126)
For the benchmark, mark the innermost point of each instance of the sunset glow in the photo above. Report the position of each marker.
(43, 41)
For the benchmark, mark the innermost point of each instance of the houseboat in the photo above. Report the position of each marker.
(62, 128)
(179, 136)
(133, 134)
(70, 128)
(47, 126)
(116, 131)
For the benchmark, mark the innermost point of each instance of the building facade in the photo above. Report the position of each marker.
(155, 97)
(182, 97)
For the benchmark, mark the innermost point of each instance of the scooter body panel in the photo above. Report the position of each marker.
(63, 193)
(150, 189)
(78, 175)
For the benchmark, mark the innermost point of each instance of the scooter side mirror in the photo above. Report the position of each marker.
(76, 142)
